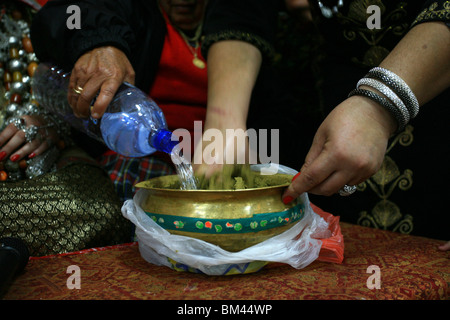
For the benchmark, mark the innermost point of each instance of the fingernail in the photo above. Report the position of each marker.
(31, 155)
(2, 155)
(287, 199)
(295, 177)
(15, 157)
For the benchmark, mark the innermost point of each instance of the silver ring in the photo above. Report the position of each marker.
(30, 133)
(19, 123)
(347, 190)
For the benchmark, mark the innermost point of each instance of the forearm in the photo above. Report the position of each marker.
(422, 60)
(233, 67)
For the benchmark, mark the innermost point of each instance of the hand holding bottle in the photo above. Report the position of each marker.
(101, 71)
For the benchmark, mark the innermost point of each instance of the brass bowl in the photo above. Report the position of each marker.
(231, 219)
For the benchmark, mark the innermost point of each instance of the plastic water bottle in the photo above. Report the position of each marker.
(133, 125)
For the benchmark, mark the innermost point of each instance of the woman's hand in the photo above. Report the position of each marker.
(13, 141)
(221, 145)
(348, 148)
(102, 71)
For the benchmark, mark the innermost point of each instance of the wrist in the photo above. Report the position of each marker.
(381, 113)
(225, 118)
(377, 113)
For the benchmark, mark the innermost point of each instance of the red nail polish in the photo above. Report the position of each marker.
(287, 199)
(15, 157)
(2, 155)
(295, 177)
(31, 155)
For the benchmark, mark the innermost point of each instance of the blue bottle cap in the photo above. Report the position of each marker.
(162, 141)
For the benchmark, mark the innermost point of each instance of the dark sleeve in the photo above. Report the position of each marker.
(253, 21)
(434, 10)
(103, 23)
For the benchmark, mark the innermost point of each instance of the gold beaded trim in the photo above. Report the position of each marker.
(434, 13)
(264, 46)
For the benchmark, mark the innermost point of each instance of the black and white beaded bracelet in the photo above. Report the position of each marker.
(399, 86)
(384, 103)
(391, 92)
(388, 93)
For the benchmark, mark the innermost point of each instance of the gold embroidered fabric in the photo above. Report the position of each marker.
(368, 47)
(70, 209)
(396, 17)
(265, 47)
(386, 214)
(435, 12)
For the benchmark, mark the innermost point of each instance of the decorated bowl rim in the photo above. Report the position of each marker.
(213, 191)
(141, 185)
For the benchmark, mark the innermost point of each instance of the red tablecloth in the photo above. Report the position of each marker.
(409, 268)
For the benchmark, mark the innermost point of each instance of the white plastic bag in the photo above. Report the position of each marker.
(157, 245)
